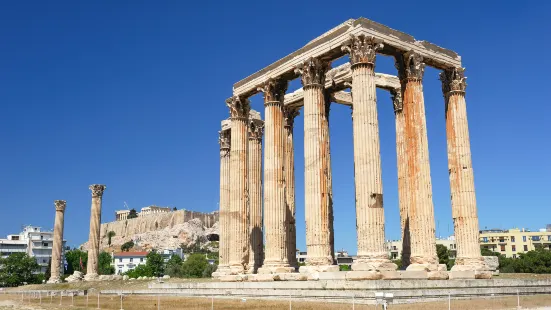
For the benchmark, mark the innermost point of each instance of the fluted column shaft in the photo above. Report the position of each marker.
(57, 247)
(290, 114)
(421, 209)
(276, 220)
(239, 187)
(463, 198)
(318, 201)
(224, 219)
(255, 189)
(94, 237)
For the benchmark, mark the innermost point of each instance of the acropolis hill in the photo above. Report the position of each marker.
(165, 230)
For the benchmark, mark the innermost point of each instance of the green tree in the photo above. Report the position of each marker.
(174, 209)
(207, 272)
(140, 271)
(174, 266)
(398, 263)
(18, 268)
(110, 235)
(443, 254)
(133, 214)
(73, 258)
(156, 263)
(344, 268)
(48, 272)
(194, 266)
(104, 264)
(127, 246)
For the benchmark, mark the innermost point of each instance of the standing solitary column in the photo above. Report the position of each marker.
(289, 114)
(370, 219)
(224, 251)
(421, 210)
(276, 221)
(93, 239)
(239, 187)
(55, 266)
(402, 174)
(256, 130)
(465, 218)
(318, 209)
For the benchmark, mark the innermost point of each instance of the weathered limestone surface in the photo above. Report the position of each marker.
(256, 244)
(319, 204)
(58, 241)
(370, 227)
(239, 187)
(94, 238)
(465, 218)
(289, 114)
(276, 217)
(225, 180)
(421, 210)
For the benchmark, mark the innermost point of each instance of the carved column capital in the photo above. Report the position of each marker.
(239, 107)
(256, 130)
(224, 139)
(362, 49)
(97, 189)
(60, 205)
(410, 66)
(274, 90)
(396, 96)
(453, 81)
(289, 114)
(312, 72)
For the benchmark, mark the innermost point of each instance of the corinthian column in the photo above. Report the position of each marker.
(289, 114)
(317, 175)
(256, 130)
(465, 218)
(421, 210)
(55, 266)
(239, 187)
(224, 219)
(402, 174)
(370, 219)
(93, 239)
(276, 221)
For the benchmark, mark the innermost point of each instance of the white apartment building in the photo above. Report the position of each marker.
(35, 242)
(394, 247)
(125, 261)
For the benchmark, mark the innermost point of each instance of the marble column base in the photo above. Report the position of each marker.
(54, 281)
(318, 268)
(91, 277)
(373, 265)
(275, 269)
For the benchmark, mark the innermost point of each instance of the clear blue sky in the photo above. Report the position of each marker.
(131, 93)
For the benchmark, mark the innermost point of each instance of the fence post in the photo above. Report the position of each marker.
(73, 300)
(353, 302)
(87, 299)
(51, 297)
(158, 302)
(121, 302)
(290, 301)
(98, 300)
(449, 301)
(60, 298)
(518, 300)
(211, 302)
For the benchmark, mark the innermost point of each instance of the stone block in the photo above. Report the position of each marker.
(483, 274)
(293, 277)
(465, 274)
(332, 275)
(231, 278)
(362, 275)
(262, 277)
(442, 267)
(438, 275)
(313, 276)
(390, 275)
(329, 268)
(414, 275)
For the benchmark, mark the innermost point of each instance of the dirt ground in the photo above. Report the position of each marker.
(14, 302)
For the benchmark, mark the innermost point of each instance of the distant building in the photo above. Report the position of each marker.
(121, 215)
(167, 253)
(125, 261)
(394, 247)
(35, 242)
(341, 257)
(511, 242)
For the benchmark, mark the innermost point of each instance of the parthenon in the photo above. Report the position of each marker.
(243, 209)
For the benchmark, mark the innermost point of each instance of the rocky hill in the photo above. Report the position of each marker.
(161, 231)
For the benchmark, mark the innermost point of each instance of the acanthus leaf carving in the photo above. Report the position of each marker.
(289, 114)
(453, 80)
(410, 66)
(224, 139)
(256, 130)
(313, 71)
(274, 90)
(60, 205)
(363, 49)
(396, 96)
(97, 189)
(239, 107)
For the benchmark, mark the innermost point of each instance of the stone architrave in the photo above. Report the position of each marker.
(276, 220)
(420, 206)
(370, 220)
(402, 174)
(289, 114)
(57, 246)
(256, 244)
(224, 219)
(94, 237)
(317, 175)
(463, 199)
(239, 186)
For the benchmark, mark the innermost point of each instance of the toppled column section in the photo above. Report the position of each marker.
(370, 220)
(57, 246)
(463, 199)
(256, 244)
(93, 240)
(224, 220)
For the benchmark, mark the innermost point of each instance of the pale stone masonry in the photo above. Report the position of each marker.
(224, 223)
(239, 188)
(362, 40)
(256, 244)
(94, 237)
(56, 264)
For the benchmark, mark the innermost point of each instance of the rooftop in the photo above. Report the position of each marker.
(130, 254)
